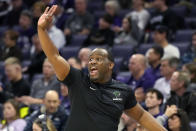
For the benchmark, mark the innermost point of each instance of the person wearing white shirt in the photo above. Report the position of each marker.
(139, 14)
(168, 66)
(57, 36)
(160, 38)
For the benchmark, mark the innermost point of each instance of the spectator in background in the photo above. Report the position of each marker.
(167, 68)
(103, 35)
(154, 101)
(112, 8)
(190, 55)
(83, 55)
(191, 69)
(37, 58)
(180, 96)
(17, 86)
(75, 62)
(60, 17)
(81, 22)
(160, 38)
(37, 9)
(139, 14)
(41, 86)
(10, 49)
(65, 102)
(179, 122)
(129, 34)
(13, 16)
(12, 119)
(56, 35)
(25, 29)
(52, 110)
(165, 16)
(139, 80)
(154, 59)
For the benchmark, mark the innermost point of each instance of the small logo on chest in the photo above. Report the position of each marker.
(117, 96)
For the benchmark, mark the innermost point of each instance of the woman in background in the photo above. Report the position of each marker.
(11, 117)
(179, 122)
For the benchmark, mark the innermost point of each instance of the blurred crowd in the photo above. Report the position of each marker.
(153, 43)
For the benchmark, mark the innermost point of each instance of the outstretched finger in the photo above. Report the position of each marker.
(46, 10)
(52, 10)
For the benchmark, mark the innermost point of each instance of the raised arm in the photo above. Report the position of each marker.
(144, 118)
(60, 65)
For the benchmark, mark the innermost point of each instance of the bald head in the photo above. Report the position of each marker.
(51, 101)
(51, 94)
(137, 64)
(140, 59)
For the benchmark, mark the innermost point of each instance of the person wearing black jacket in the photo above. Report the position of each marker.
(16, 86)
(181, 96)
(51, 110)
(103, 35)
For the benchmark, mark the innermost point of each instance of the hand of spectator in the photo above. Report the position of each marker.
(67, 32)
(116, 29)
(170, 110)
(27, 100)
(85, 32)
(46, 18)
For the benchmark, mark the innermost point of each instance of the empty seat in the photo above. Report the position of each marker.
(122, 50)
(180, 10)
(68, 52)
(77, 40)
(184, 35)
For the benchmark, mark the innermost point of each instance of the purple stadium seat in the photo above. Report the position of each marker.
(26, 63)
(37, 76)
(193, 12)
(122, 50)
(122, 13)
(190, 22)
(98, 14)
(180, 10)
(184, 35)
(3, 29)
(183, 47)
(25, 54)
(144, 47)
(96, 5)
(123, 76)
(193, 126)
(68, 52)
(77, 40)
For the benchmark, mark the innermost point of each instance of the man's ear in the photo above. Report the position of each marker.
(111, 66)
